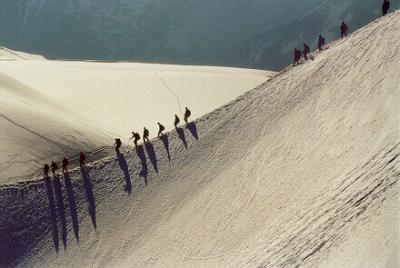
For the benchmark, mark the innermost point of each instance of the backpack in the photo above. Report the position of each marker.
(137, 136)
(162, 127)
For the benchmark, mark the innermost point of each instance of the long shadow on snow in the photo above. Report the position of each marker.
(124, 167)
(52, 208)
(181, 134)
(89, 194)
(152, 155)
(72, 204)
(61, 208)
(164, 139)
(142, 157)
(193, 129)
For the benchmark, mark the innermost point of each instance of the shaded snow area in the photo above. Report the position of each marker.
(302, 171)
(49, 109)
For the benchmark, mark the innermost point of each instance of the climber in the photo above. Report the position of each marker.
(177, 121)
(54, 168)
(135, 137)
(65, 165)
(306, 51)
(297, 56)
(146, 135)
(117, 144)
(187, 115)
(385, 7)
(82, 158)
(321, 42)
(161, 128)
(343, 30)
(46, 169)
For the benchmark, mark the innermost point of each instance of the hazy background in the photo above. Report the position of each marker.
(245, 33)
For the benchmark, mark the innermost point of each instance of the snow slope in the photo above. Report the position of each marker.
(54, 108)
(36, 130)
(302, 171)
(124, 96)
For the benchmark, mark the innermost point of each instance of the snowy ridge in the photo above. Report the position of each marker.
(302, 171)
(54, 108)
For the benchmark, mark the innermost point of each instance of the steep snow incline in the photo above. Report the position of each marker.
(54, 108)
(126, 96)
(302, 171)
(35, 129)
(8, 54)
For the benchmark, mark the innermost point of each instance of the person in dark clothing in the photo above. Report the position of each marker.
(54, 168)
(343, 30)
(82, 158)
(177, 121)
(306, 51)
(161, 128)
(297, 56)
(321, 42)
(146, 135)
(187, 115)
(65, 164)
(385, 7)
(46, 169)
(117, 144)
(135, 137)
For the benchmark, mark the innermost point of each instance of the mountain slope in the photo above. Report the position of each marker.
(54, 108)
(254, 33)
(115, 94)
(36, 130)
(302, 171)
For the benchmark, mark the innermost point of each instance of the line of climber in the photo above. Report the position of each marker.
(65, 163)
(118, 143)
(344, 30)
(136, 136)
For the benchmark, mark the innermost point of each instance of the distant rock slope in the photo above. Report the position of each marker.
(250, 34)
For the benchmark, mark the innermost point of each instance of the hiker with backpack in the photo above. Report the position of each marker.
(385, 7)
(46, 169)
(82, 158)
(306, 51)
(65, 165)
(187, 115)
(177, 121)
(343, 29)
(117, 144)
(161, 128)
(54, 168)
(135, 137)
(297, 56)
(146, 135)
(321, 42)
